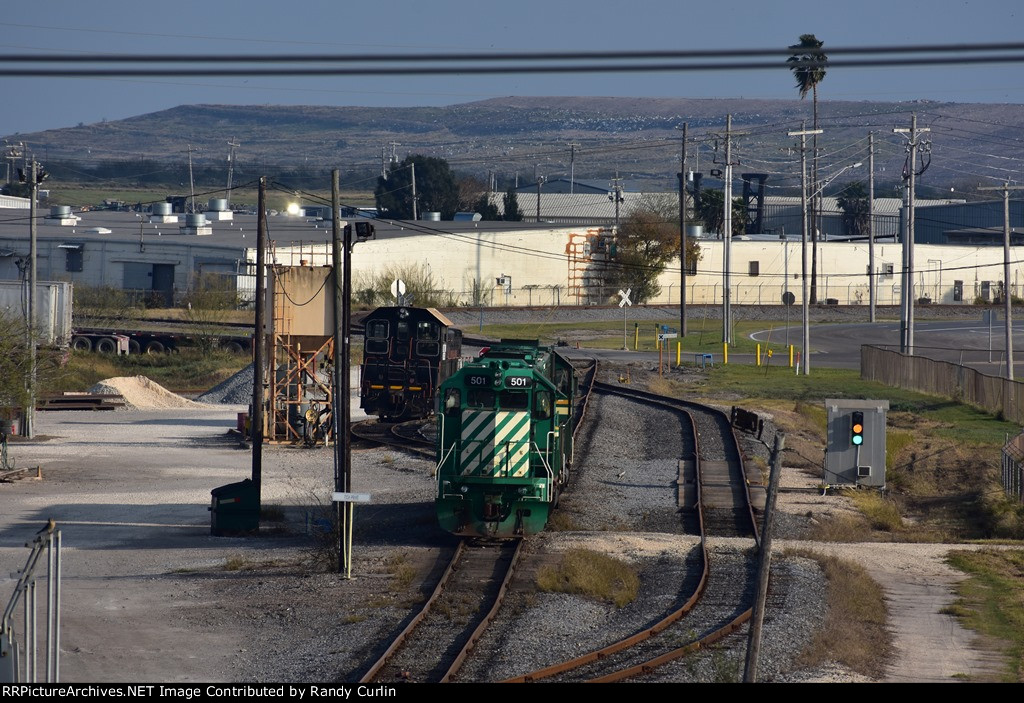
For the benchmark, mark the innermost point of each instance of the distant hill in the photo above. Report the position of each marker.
(635, 136)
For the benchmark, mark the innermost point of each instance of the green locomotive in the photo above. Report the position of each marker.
(504, 440)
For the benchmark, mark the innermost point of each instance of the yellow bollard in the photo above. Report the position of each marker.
(725, 352)
(759, 354)
(636, 336)
(790, 356)
(679, 354)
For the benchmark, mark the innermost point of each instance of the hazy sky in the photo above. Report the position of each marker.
(341, 26)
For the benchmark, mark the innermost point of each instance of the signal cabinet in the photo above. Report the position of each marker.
(855, 454)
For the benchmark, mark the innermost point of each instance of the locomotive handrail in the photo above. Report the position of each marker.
(547, 467)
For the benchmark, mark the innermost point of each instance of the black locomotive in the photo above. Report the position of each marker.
(407, 353)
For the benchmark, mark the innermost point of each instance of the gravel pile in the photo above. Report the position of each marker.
(236, 390)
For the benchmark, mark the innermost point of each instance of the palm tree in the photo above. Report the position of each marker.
(808, 67)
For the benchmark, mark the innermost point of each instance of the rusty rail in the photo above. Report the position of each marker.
(675, 616)
(372, 672)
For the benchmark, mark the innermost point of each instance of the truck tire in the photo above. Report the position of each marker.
(134, 347)
(234, 347)
(81, 344)
(155, 347)
(106, 345)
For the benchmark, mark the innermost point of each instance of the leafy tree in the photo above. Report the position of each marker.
(807, 79)
(487, 209)
(436, 189)
(856, 209)
(712, 212)
(647, 240)
(511, 202)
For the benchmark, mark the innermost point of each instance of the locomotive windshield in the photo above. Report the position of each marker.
(480, 398)
(515, 400)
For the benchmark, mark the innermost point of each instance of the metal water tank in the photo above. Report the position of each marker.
(162, 208)
(218, 204)
(60, 211)
(195, 219)
(431, 216)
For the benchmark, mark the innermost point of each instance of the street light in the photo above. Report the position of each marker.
(806, 356)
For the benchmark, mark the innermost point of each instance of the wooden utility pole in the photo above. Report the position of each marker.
(871, 228)
(1007, 296)
(682, 236)
(259, 339)
(764, 565)
(33, 256)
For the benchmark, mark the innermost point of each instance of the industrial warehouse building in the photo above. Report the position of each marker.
(160, 255)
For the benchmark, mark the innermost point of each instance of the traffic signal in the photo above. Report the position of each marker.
(857, 428)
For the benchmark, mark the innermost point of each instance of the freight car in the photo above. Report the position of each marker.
(504, 440)
(407, 352)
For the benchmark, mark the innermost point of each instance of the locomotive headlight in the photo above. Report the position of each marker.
(523, 490)
(464, 488)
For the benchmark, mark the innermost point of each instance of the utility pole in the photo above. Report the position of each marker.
(909, 174)
(414, 214)
(1007, 297)
(539, 181)
(33, 255)
(191, 181)
(572, 167)
(259, 339)
(682, 235)
(871, 227)
(764, 565)
(805, 356)
(232, 145)
(616, 196)
(341, 402)
(727, 234)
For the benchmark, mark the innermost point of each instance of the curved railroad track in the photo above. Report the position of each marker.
(407, 436)
(435, 643)
(714, 487)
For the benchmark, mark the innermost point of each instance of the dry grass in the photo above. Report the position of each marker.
(882, 512)
(592, 574)
(854, 633)
(402, 573)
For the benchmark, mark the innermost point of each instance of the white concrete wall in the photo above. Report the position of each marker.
(539, 266)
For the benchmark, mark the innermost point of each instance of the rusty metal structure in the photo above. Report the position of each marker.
(299, 347)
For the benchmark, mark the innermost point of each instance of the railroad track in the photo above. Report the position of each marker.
(436, 642)
(706, 487)
(408, 436)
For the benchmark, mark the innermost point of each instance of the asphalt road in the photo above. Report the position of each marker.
(957, 341)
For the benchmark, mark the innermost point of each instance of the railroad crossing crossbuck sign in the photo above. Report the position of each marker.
(625, 298)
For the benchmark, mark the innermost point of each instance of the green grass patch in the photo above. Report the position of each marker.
(592, 574)
(854, 633)
(991, 601)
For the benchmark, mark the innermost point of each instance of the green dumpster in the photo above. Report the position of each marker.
(235, 508)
